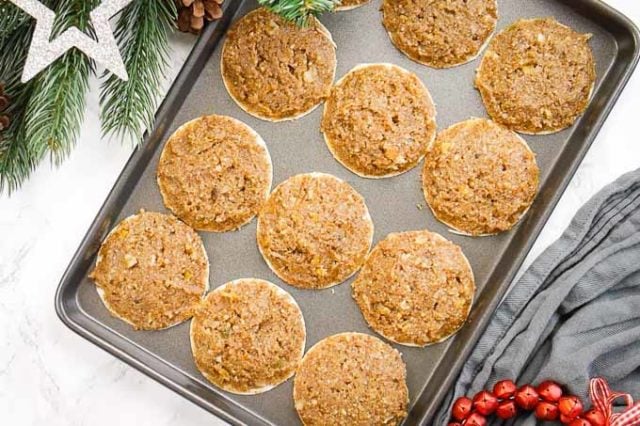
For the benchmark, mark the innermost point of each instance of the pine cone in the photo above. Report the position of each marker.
(4, 104)
(192, 14)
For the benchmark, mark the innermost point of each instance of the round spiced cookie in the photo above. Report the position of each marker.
(248, 336)
(275, 70)
(415, 289)
(379, 120)
(350, 4)
(440, 33)
(479, 178)
(351, 379)
(151, 271)
(537, 76)
(215, 173)
(314, 231)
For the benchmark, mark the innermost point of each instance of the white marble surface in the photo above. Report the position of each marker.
(48, 375)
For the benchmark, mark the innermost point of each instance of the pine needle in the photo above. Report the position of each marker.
(128, 107)
(55, 110)
(299, 11)
(16, 161)
(46, 113)
(11, 18)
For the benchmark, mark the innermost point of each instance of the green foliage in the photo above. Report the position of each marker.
(299, 11)
(11, 18)
(55, 110)
(16, 160)
(141, 32)
(47, 112)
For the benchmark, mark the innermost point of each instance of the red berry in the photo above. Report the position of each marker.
(504, 389)
(476, 419)
(549, 391)
(565, 420)
(506, 409)
(526, 397)
(454, 424)
(547, 411)
(485, 403)
(570, 406)
(580, 422)
(595, 417)
(461, 408)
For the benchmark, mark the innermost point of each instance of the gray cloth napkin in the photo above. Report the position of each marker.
(575, 313)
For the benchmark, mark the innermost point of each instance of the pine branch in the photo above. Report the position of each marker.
(46, 112)
(11, 18)
(142, 30)
(56, 108)
(15, 37)
(16, 160)
(299, 11)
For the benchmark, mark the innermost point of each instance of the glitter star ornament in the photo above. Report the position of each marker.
(44, 52)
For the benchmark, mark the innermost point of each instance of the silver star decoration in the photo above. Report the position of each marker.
(43, 52)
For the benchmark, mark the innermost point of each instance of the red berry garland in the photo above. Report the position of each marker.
(546, 401)
(549, 391)
(462, 408)
(475, 419)
(506, 410)
(595, 417)
(547, 411)
(527, 397)
(504, 389)
(570, 406)
(485, 403)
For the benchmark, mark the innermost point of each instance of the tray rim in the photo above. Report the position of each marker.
(173, 101)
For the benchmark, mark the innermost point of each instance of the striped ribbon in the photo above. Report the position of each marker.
(602, 399)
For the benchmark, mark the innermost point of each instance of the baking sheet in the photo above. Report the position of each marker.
(395, 204)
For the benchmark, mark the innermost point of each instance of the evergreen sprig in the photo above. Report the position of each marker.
(11, 18)
(55, 109)
(47, 112)
(16, 159)
(127, 107)
(299, 11)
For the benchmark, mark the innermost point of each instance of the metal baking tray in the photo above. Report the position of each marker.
(298, 147)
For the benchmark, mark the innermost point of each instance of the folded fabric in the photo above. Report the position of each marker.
(575, 313)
